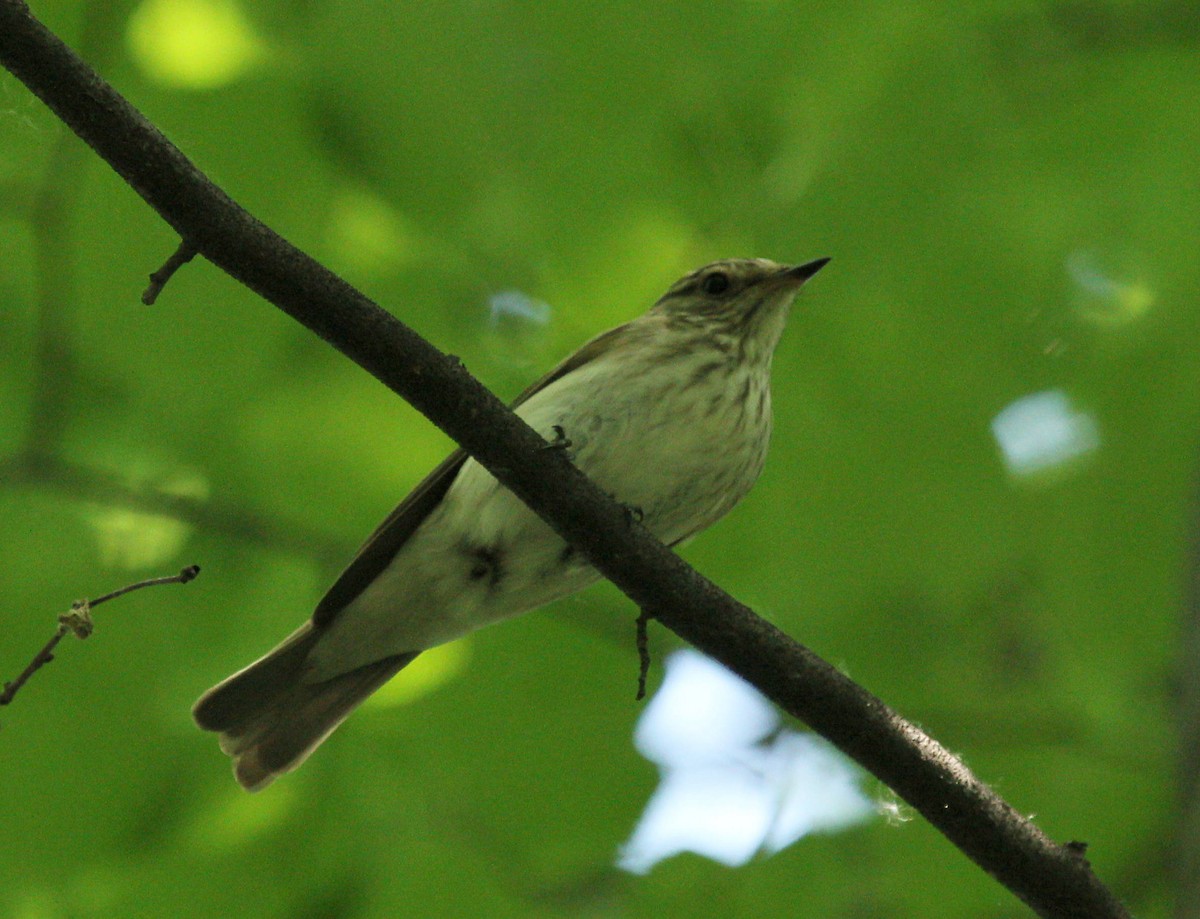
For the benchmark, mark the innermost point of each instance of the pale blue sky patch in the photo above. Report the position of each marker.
(734, 781)
(1042, 431)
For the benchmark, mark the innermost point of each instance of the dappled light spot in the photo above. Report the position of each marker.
(232, 818)
(37, 903)
(182, 483)
(1102, 296)
(132, 539)
(1042, 432)
(193, 44)
(734, 782)
(431, 669)
(367, 235)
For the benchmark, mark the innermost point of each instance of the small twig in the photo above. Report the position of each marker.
(187, 574)
(79, 622)
(643, 647)
(180, 257)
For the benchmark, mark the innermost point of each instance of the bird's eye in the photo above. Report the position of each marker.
(715, 283)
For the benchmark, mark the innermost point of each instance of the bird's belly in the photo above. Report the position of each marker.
(482, 555)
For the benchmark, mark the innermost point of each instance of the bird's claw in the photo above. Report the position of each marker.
(560, 442)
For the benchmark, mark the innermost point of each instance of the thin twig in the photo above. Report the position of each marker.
(79, 622)
(187, 574)
(643, 648)
(180, 257)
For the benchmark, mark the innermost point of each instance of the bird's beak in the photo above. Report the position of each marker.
(798, 274)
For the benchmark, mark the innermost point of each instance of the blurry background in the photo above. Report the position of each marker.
(977, 501)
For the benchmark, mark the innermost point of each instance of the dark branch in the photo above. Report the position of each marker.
(1053, 879)
(79, 622)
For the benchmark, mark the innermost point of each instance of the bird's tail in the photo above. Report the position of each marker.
(270, 719)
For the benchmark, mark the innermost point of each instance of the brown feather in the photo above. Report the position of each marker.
(270, 718)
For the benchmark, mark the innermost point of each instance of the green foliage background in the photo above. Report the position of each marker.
(1009, 193)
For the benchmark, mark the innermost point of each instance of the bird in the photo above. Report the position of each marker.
(670, 413)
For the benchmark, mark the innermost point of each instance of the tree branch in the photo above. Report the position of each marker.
(1054, 880)
(79, 622)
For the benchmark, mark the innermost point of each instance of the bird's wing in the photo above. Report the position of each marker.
(382, 545)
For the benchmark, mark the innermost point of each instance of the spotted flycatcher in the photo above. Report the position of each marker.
(669, 413)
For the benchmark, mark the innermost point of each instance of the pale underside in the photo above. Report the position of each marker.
(481, 555)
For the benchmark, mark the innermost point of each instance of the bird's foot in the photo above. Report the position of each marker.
(560, 442)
